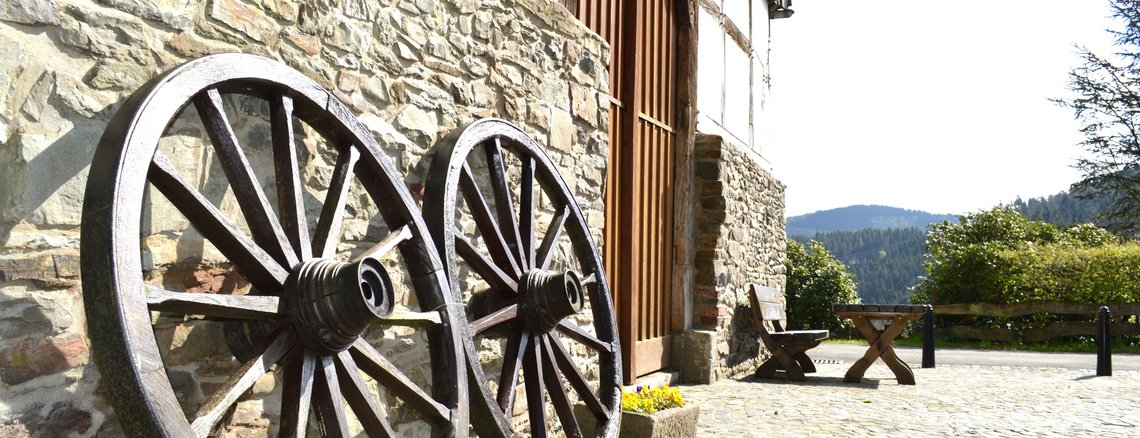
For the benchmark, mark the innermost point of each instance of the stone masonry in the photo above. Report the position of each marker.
(412, 71)
(739, 238)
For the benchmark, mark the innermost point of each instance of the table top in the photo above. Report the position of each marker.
(879, 308)
(881, 315)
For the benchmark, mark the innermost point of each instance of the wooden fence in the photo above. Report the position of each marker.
(1121, 312)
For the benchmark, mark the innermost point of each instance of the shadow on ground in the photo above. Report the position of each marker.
(811, 380)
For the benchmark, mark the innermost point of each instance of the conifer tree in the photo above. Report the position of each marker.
(1106, 102)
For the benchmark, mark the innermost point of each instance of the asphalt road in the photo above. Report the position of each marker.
(849, 353)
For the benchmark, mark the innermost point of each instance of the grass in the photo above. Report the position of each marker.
(1054, 346)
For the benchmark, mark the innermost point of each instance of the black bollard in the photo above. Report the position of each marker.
(928, 338)
(1104, 344)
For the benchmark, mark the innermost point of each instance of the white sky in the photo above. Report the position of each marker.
(939, 106)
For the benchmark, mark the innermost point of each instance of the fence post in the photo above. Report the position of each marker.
(1104, 343)
(928, 337)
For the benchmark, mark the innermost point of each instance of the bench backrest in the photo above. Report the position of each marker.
(766, 307)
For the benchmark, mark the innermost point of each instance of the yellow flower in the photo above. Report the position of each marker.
(649, 400)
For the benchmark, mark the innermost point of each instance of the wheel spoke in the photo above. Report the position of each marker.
(375, 365)
(213, 305)
(535, 389)
(208, 415)
(288, 173)
(297, 392)
(504, 206)
(395, 237)
(403, 317)
(577, 380)
(589, 279)
(509, 375)
(360, 398)
(572, 330)
(485, 268)
(546, 251)
(332, 213)
(495, 318)
(330, 411)
(266, 274)
(557, 392)
(264, 226)
(492, 235)
(526, 209)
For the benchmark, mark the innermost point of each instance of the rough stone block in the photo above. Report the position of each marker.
(179, 14)
(562, 131)
(245, 19)
(707, 170)
(35, 357)
(693, 356)
(583, 103)
(30, 12)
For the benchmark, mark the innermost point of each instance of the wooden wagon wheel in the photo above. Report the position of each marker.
(519, 298)
(310, 305)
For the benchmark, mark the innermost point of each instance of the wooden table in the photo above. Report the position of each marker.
(891, 320)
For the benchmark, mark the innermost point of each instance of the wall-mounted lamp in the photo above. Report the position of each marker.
(779, 9)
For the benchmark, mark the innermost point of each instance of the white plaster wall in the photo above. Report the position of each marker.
(710, 68)
(732, 84)
(738, 12)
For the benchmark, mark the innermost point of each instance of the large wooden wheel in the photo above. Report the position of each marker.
(319, 293)
(542, 321)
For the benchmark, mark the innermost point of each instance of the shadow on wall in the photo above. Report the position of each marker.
(44, 353)
(743, 342)
(43, 179)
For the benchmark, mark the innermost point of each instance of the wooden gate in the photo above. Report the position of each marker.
(638, 245)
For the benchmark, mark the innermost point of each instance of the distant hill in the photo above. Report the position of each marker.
(1065, 209)
(859, 217)
(885, 262)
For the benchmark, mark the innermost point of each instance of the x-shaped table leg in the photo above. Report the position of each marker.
(880, 348)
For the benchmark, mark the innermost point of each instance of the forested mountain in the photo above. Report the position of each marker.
(1063, 209)
(885, 262)
(858, 217)
(883, 247)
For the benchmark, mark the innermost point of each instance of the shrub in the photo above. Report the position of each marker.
(999, 257)
(987, 256)
(816, 281)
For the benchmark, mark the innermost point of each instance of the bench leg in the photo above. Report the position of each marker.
(768, 368)
(805, 362)
(780, 360)
(789, 365)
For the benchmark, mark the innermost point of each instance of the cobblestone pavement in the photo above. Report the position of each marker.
(954, 400)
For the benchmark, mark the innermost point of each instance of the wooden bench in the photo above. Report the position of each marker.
(788, 347)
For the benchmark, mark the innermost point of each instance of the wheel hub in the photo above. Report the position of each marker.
(546, 298)
(336, 301)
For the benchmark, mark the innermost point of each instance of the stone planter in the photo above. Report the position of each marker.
(669, 423)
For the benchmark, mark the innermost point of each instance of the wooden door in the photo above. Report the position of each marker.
(638, 243)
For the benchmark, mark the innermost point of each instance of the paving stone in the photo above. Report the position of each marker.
(947, 401)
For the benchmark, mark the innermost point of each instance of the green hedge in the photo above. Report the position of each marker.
(1098, 275)
(999, 257)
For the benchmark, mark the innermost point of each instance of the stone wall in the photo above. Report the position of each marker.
(739, 240)
(412, 70)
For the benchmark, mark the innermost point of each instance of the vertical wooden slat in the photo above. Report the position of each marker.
(649, 143)
(638, 244)
(632, 42)
(658, 228)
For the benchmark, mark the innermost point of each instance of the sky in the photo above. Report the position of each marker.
(926, 105)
